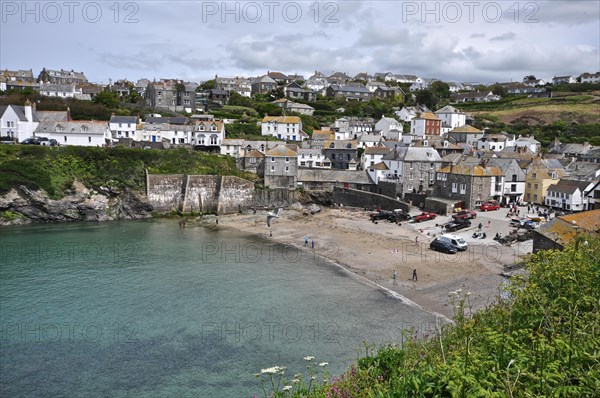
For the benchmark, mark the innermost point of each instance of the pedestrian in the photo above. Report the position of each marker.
(417, 240)
(480, 226)
(217, 221)
(394, 276)
(306, 241)
(313, 244)
(528, 209)
(414, 277)
(489, 223)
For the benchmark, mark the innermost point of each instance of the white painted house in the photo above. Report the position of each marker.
(569, 195)
(18, 122)
(387, 124)
(79, 132)
(287, 128)
(451, 116)
(313, 158)
(123, 127)
(529, 142)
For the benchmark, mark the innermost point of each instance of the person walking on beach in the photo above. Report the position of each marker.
(306, 241)
(414, 277)
(313, 244)
(417, 240)
(394, 276)
(480, 226)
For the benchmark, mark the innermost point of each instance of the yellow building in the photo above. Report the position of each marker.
(540, 175)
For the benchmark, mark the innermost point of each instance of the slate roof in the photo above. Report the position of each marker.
(123, 119)
(170, 120)
(447, 109)
(281, 151)
(569, 186)
(73, 127)
(254, 154)
(334, 175)
(340, 144)
(52, 116)
(20, 111)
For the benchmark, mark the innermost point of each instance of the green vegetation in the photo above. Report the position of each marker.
(541, 341)
(55, 168)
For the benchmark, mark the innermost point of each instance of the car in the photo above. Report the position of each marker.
(425, 216)
(392, 216)
(455, 225)
(456, 241)
(7, 140)
(48, 142)
(489, 205)
(441, 245)
(464, 215)
(30, 141)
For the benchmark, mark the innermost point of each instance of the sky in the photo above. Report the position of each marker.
(466, 41)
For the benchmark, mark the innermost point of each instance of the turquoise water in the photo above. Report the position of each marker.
(147, 309)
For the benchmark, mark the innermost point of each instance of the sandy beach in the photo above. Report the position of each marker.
(373, 251)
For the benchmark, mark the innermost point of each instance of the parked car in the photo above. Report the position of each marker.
(464, 215)
(425, 216)
(489, 205)
(441, 245)
(455, 225)
(7, 140)
(48, 142)
(456, 241)
(31, 141)
(392, 216)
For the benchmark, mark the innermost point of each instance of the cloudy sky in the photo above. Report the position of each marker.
(475, 41)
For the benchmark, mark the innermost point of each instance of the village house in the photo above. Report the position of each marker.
(591, 78)
(442, 146)
(567, 79)
(208, 135)
(540, 175)
(412, 168)
(451, 116)
(408, 113)
(319, 137)
(465, 134)
(281, 167)
(406, 79)
(471, 185)
(373, 155)
(61, 76)
(475, 96)
(290, 106)
(495, 142)
(367, 140)
(218, 96)
(176, 134)
(569, 150)
(287, 128)
(529, 142)
(387, 124)
(18, 122)
(232, 147)
(364, 76)
(58, 90)
(564, 230)
(343, 154)
(263, 84)
(123, 126)
(17, 79)
(569, 195)
(317, 82)
(312, 158)
(359, 93)
(347, 128)
(374, 85)
(253, 162)
(295, 91)
(422, 83)
(76, 132)
(426, 123)
(377, 172)
(389, 93)
(241, 85)
(338, 78)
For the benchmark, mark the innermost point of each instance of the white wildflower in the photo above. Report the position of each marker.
(322, 364)
(308, 358)
(273, 370)
(313, 378)
(468, 294)
(287, 388)
(295, 381)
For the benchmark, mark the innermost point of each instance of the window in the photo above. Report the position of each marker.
(287, 160)
(272, 168)
(410, 166)
(410, 176)
(65, 138)
(534, 175)
(528, 185)
(302, 163)
(287, 168)
(454, 187)
(333, 156)
(463, 188)
(513, 188)
(272, 160)
(535, 186)
(252, 160)
(431, 166)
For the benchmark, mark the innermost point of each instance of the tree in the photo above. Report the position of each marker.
(440, 89)
(426, 97)
(107, 98)
(207, 85)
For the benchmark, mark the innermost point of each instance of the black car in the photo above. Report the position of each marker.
(442, 246)
(391, 216)
(31, 141)
(456, 225)
(48, 142)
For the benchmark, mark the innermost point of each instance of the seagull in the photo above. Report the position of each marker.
(273, 214)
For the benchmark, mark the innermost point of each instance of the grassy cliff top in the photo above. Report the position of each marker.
(55, 168)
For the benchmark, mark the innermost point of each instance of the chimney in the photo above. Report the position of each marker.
(28, 111)
(69, 114)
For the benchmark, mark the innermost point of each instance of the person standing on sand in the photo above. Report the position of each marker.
(414, 277)
(306, 241)
(480, 226)
(313, 244)
(417, 240)
(394, 276)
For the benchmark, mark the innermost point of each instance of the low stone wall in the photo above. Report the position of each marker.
(235, 194)
(363, 199)
(164, 191)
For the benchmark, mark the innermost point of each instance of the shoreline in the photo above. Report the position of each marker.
(348, 240)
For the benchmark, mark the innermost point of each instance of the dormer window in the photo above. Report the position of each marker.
(331, 145)
(201, 127)
(554, 175)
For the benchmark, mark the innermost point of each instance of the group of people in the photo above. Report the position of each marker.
(414, 276)
(306, 240)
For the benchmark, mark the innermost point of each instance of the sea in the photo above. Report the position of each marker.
(152, 309)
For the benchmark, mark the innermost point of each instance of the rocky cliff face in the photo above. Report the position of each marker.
(22, 205)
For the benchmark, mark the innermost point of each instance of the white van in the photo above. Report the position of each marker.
(455, 241)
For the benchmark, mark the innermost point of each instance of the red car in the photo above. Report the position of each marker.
(464, 215)
(487, 206)
(424, 217)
